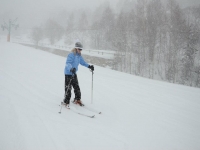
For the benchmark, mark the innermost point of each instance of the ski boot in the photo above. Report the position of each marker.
(78, 102)
(66, 105)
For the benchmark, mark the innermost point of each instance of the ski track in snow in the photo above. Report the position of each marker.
(137, 113)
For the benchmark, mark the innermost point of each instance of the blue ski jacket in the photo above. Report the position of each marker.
(73, 60)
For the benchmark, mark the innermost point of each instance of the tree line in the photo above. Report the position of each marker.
(151, 38)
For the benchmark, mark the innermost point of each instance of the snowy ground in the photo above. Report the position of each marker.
(137, 113)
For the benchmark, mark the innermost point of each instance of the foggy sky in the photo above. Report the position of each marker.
(34, 12)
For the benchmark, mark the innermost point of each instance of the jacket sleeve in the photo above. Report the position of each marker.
(69, 61)
(83, 63)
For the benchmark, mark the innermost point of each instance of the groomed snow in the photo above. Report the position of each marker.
(137, 113)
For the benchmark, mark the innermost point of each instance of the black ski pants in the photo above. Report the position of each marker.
(71, 81)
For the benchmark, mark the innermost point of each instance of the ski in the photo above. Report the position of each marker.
(76, 111)
(88, 108)
(91, 109)
(82, 114)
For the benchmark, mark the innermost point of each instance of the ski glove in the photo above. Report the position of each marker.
(73, 70)
(91, 67)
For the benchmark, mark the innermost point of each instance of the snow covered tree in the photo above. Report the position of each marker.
(70, 24)
(141, 35)
(69, 29)
(106, 24)
(120, 39)
(82, 28)
(96, 35)
(53, 31)
(154, 18)
(37, 35)
(176, 40)
(188, 60)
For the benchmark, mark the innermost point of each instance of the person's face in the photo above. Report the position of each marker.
(79, 50)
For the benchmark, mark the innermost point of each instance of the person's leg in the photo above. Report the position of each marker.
(76, 87)
(68, 87)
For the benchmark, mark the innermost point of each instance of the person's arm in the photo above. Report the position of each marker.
(69, 61)
(83, 63)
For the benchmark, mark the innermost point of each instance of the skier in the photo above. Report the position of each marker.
(71, 67)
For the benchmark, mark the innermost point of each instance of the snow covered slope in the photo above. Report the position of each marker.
(138, 113)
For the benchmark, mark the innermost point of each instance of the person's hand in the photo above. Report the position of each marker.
(73, 70)
(91, 67)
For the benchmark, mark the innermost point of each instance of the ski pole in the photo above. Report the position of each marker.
(92, 88)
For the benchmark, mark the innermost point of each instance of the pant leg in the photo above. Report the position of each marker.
(76, 87)
(68, 87)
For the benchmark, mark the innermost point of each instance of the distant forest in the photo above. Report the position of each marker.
(152, 39)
